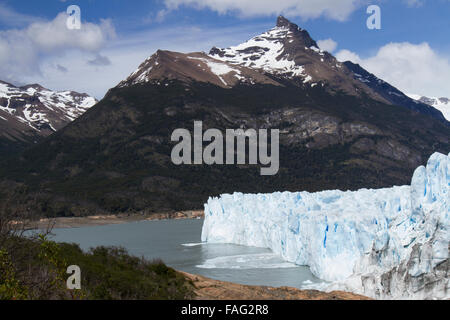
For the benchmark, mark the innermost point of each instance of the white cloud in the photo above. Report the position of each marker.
(54, 35)
(22, 51)
(327, 45)
(412, 68)
(307, 9)
(347, 55)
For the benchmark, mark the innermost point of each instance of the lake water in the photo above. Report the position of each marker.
(178, 244)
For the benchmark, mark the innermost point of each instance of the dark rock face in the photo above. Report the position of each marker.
(283, 22)
(299, 33)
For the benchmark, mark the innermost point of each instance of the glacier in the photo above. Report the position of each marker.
(390, 243)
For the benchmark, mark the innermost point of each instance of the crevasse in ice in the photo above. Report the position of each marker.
(385, 243)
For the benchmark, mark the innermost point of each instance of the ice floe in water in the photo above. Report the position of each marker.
(247, 261)
(193, 244)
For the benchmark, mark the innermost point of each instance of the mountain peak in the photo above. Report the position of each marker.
(282, 22)
(284, 50)
(300, 34)
(35, 86)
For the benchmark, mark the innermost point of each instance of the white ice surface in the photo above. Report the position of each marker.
(346, 237)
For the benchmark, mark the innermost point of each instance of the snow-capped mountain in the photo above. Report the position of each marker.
(271, 52)
(288, 52)
(41, 109)
(284, 55)
(442, 104)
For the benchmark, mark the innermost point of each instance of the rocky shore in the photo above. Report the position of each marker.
(209, 289)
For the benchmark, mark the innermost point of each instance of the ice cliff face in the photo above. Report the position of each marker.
(386, 243)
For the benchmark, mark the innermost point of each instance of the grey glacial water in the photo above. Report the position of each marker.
(177, 243)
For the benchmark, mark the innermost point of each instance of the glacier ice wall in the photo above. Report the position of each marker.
(385, 243)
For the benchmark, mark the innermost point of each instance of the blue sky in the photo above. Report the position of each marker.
(412, 49)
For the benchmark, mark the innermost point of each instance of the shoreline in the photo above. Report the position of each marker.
(103, 220)
(210, 289)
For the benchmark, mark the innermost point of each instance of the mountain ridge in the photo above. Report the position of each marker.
(29, 113)
(442, 104)
(392, 94)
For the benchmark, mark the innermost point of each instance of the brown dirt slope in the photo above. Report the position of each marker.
(208, 289)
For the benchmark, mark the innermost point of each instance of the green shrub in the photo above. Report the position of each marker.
(10, 287)
(38, 271)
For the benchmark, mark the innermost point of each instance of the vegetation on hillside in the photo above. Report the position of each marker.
(34, 268)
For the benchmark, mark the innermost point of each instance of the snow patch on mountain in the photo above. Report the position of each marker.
(219, 69)
(263, 52)
(385, 243)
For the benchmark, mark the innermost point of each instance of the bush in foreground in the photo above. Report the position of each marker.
(36, 269)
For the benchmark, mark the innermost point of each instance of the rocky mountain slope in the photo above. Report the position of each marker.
(335, 130)
(442, 104)
(393, 95)
(31, 112)
(284, 54)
